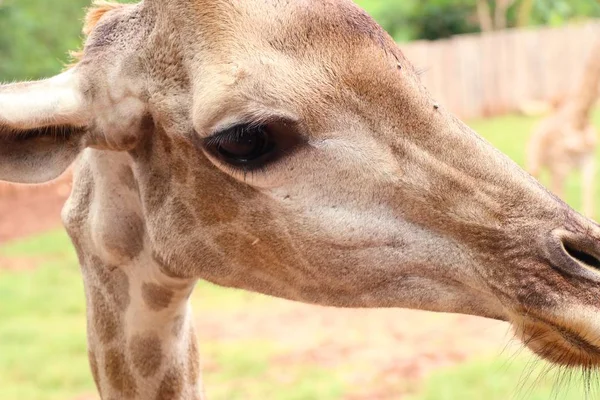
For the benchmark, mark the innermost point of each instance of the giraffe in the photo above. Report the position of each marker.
(567, 140)
(287, 148)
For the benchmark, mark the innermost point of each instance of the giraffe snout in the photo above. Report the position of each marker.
(558, 314)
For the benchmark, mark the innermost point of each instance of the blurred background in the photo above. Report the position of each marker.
(502, 65)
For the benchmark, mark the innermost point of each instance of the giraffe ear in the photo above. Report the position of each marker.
(42, 126)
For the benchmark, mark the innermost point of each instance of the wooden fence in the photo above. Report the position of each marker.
(489, 74)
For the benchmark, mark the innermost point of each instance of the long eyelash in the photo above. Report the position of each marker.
(228, 136)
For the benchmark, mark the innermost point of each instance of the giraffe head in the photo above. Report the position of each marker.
(289, 148)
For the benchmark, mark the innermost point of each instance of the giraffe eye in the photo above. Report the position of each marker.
(251, 146)
(243, 144)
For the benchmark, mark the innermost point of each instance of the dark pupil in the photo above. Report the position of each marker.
(247, 146)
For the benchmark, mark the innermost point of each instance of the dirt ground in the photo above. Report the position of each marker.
(28, 210)
(381, 349)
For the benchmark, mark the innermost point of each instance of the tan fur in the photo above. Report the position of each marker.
(92, 17)
(381, 199)
(96, 12)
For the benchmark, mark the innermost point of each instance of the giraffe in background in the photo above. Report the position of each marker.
(566, 140)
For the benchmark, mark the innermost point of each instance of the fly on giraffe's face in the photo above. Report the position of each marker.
(290, 148)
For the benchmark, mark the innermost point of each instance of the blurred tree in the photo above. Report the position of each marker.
(486, 24)
(36, 35)
(500, 13)
(524, 14)
(498, 19)
(435, 19)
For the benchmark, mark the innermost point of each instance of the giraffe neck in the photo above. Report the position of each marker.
(140, 332)
(141, 340)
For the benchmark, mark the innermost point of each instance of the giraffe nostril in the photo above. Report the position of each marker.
(575, 253)
(582, 255)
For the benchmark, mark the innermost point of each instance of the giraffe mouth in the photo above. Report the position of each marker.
(559, 344)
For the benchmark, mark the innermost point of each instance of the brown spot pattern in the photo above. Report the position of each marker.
(118, 373)
(166, 142)
(125, 235)
(146, 353)
(171, 386)
(155, 181)
(114, 280)
(156, 297)
(104, 319)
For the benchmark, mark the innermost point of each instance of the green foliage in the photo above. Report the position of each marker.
(36, 35)
(436, 19)
(557, 12)
(433, 19)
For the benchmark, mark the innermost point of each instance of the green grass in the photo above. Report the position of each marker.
(42, 328)
(501, 379)
(43, 340)
(246, 372)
